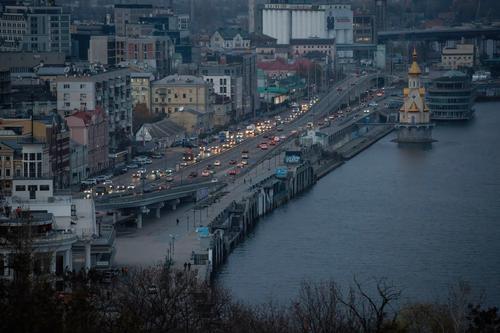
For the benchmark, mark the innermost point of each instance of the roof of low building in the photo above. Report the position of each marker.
(181, 80)
(312, 41)
(228, 33)
(163, 128)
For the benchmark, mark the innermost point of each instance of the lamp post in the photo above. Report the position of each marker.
(172, 238)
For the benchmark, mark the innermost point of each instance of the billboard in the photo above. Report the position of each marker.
(293, 157)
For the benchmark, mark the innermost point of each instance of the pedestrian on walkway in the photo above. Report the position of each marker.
(244, 180)
(189, 266)
(177, 221)
(185, 265)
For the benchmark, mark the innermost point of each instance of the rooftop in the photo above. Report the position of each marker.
(181, 80)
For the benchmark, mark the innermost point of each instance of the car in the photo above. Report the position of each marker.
(339, 89)
(156, 156)
(205, 173)
(244, 162)
(107, 182)
(162, 187)
(283, 137)
(366, 111)
(89, 182)
(147, 161)
(184, 164)
(101, 178)
(263, 146)
(233, 172)
(136, 175)
(169, 179)
(148, 188)
(232, 162)
(142, 170)
(131, 187)
(214, 180)
(169, 172)
(373, 104)
(120, 188)
(193, 174)
(132, 166)
(271, 143)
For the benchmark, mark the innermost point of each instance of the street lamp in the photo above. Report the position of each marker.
(172, 239)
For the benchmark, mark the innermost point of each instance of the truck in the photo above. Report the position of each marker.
(250, 130)
(223, 136)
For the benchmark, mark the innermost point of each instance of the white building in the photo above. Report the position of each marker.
(298, 21)
(63, 230)
(230, 39)
(462, 55)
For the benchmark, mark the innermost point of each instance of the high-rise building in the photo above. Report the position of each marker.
(129, 13)
(251, 16)
(381, 14)
(40, 29)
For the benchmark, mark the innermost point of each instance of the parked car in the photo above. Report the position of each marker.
(193, 174)
(232, 162)
(205, 173)
(132, 166)
(217, 163)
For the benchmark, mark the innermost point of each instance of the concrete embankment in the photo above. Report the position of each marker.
(359, 144)
(234, 223)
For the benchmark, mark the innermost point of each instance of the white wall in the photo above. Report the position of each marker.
(73, 95)
(218, 84)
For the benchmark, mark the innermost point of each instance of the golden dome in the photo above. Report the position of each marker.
(414, 68)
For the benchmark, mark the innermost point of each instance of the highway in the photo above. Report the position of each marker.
(326, 105)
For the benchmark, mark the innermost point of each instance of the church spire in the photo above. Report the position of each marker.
(414, 68)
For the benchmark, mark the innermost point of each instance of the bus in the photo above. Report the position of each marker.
(188, 156)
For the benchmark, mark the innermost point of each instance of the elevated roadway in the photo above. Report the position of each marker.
(439, 34)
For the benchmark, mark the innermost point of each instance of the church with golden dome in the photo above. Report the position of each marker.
(414, 116)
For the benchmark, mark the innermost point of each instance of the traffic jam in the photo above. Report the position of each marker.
(145, 179)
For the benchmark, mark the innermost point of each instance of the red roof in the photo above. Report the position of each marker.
(86, 116)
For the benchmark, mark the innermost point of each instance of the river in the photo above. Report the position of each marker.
(422, 218)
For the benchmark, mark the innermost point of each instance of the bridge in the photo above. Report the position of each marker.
(440, 34)
(156, 200)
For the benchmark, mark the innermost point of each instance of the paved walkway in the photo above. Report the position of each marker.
(159, 237)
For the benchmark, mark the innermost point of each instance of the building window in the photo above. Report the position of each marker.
(44, 188)
(66, 86)
(7, 172)
(20, 188)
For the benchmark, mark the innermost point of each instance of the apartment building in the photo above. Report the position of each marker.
(178, 92)
(109, 91)
(35, 29)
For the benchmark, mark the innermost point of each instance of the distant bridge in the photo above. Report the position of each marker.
(439, 34)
